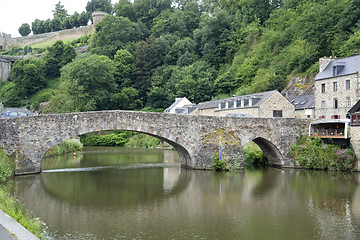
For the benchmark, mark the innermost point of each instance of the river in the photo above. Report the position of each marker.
(128, 193)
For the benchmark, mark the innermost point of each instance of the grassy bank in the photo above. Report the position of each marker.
(18, 211)
(13, 207)
(119, 138)
(71, 145)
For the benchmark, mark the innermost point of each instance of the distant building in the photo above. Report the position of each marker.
(261, 105)
(336, 87)
(304, 105)
(180, 106)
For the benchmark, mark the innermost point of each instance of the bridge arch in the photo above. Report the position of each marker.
(271, 152)
(183, 153)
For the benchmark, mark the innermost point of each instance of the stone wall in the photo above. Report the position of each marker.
(195, 138)
(355, 142)
(54, 36)
(5, 69)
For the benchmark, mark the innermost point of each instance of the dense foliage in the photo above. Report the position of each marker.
(119, 138)
(313, 153)
(161, 49)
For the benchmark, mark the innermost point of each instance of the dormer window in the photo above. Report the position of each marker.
(338, 68)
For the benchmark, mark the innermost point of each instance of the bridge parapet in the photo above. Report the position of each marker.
(195, 137)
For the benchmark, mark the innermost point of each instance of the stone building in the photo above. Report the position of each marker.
(304, 105)
(259, 105)
(336, 87)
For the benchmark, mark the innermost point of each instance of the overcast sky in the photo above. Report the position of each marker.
(13, 13)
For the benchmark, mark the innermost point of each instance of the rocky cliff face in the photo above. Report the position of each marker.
(299, 85)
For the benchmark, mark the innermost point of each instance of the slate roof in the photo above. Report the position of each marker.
(355, 108)
(345, 66)
(215, 104)
(303, 101)
(175, 103)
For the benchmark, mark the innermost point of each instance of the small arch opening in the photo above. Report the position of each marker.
(261, 152)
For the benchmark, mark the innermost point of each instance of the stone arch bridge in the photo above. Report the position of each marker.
(194, 137)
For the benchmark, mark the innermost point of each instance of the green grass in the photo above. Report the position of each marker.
(71, 145)
(18, 211)
(6, 166)
(13, 207)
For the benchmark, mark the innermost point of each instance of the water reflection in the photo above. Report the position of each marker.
(172, 203)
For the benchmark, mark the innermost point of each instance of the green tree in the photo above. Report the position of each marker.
(99, 5)
(57, 56)
(147, 58)
(24, 29)
(124, 8)
(95, 75)
(28, 76)
(74, 19)
(83, 19)
(59, 12)
(147, 10)
(70, 97)
(114, 33)
(128, 99)
(56, 25)
(47, 25)
(125, 68)
(37, 26)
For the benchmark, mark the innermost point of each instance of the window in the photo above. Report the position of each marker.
(277, 113)
(322, 87)
(335, 86)
(335, 103)
(323, 104)
(348, 101)
(347, 84)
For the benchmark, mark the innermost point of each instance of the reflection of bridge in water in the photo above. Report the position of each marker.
(286, 203)
(195, 138)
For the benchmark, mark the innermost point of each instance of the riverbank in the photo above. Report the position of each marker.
(11, 229)
(15, 209)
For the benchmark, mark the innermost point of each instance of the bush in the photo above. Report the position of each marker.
(143, 140)
(71, 145)
(217, 164)
(313, 153)
(106, 138)
(6, 166)
(253, 155)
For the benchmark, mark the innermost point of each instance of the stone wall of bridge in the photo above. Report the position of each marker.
(195, 138)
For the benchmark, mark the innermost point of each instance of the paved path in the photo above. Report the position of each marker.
(11, 229)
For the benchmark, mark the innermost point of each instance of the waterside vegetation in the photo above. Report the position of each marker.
(12, 206)
(313, 153)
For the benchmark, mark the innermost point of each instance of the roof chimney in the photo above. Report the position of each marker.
(323, 62)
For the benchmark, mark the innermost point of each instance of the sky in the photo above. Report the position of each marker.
(13, 13)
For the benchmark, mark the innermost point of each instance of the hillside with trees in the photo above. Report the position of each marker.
(146, 53)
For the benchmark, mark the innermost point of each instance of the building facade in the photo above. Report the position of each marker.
(259, 105)
(336, 87)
